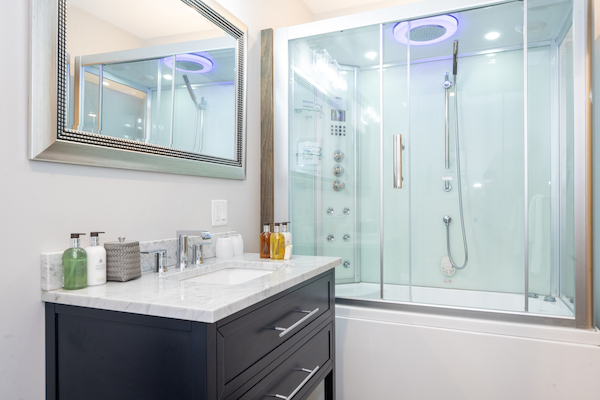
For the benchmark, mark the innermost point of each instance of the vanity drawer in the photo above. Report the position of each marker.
(296, 374)
(247, 341)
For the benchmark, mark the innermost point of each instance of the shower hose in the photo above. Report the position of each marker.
(460, 203)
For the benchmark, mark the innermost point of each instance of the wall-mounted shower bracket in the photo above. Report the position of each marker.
(447, 185)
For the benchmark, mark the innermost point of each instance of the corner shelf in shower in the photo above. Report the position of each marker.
(299, 110)
(319, 156)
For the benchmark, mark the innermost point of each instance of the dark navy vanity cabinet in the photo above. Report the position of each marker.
(283, 346)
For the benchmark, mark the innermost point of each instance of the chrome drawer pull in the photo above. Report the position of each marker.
(288, 330)
(311, 374)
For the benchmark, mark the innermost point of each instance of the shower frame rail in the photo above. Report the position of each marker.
(582, 47)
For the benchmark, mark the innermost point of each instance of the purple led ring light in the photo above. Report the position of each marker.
(448, 22)
(193, 58)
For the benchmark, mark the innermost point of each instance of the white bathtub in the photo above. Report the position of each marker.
(384, 354)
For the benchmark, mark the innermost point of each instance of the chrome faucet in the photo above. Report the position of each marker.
(160, 260)
(183, 260)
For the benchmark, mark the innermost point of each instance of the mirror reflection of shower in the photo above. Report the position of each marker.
(146, 98)
(199, 123)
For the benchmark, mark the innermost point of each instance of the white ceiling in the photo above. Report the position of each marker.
(321, 6)
(147, 19)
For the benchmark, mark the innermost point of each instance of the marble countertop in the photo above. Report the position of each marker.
(170, 296)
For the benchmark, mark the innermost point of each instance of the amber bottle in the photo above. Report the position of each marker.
(277, 244)
(265, 242)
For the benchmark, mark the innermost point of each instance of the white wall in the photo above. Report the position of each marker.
(41, 203)
(596, 166)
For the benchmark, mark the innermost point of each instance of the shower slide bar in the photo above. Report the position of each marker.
(447, 86)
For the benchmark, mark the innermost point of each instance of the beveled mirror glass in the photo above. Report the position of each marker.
(143, 84)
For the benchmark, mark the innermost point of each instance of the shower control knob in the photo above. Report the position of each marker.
(346, 264)
(330, 211)
(338, 170)
(346, 238)
(338, 155)
(346, 211)
(447, 219)
(339, 186)
(330, 238)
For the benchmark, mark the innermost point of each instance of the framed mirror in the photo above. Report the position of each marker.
(155, 85)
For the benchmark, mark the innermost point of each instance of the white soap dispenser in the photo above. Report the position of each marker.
(96, 261)
(286, 233)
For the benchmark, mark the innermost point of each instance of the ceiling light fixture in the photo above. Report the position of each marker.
(492, 36)
(371, 55)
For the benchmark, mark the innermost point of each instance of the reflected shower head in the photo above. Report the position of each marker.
(189, 63)
(426, 31)
(190, 90)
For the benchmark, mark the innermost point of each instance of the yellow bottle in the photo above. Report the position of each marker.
(277, 244)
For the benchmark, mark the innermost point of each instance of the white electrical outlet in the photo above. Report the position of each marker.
(219, 212)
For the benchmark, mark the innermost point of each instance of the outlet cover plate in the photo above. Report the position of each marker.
(219, 212)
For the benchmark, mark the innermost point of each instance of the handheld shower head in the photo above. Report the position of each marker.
(190, 90)
(455, 52)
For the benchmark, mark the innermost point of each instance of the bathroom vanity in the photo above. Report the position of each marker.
(241, 329)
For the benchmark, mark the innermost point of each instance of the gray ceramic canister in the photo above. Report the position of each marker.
(122, 260)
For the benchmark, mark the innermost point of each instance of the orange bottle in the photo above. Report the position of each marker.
(265, 242)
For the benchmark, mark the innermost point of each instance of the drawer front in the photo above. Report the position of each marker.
(297, 374)
(244, 341)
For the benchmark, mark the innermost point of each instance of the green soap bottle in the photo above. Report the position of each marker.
(74, 262)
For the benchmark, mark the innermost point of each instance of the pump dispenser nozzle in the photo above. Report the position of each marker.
(94, 239)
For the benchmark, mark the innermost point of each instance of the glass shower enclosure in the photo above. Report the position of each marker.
(440, 156)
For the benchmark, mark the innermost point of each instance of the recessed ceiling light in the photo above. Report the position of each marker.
(168, 77)
(344, 72)
(371, 55)
(105, 83)
(490, 55)
(492, 36)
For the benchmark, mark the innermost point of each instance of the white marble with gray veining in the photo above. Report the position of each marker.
(173, 297)
(52, 271)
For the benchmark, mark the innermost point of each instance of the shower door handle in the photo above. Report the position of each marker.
(397, 161)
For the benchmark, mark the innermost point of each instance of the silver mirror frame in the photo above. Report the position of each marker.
(49, 140)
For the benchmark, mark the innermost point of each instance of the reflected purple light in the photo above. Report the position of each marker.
(448, 22)
(206, 64)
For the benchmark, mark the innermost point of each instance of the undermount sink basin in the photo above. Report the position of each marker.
(230, 276)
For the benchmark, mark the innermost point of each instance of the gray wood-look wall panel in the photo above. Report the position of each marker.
(266, 127)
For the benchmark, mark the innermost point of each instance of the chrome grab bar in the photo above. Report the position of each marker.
(397, 161)
(304, 382)
(285, 331)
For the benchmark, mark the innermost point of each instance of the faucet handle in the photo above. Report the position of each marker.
(160, 260)
(197, 254)
(205, 235)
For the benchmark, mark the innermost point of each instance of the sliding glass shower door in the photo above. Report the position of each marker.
(435, 157)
